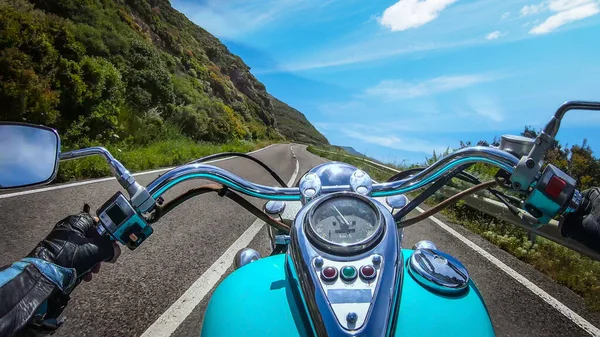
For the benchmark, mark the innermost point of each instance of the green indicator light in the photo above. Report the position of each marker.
(348, 273)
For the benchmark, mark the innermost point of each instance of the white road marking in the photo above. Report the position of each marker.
(563, 309)
(168, 322)
(80, 183)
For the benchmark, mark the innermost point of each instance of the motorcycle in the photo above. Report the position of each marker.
(337, 266)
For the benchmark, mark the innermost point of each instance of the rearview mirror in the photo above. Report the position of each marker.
(28, 155)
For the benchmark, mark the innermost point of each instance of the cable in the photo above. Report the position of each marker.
(161, 211)
(243, 155)
(448, 202)
(431, 190)
(469, 178)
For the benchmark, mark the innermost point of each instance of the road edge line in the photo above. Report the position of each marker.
(171, 319)
(556, 304)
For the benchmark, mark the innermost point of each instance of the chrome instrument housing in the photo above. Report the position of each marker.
(305, 261)
(344, 249)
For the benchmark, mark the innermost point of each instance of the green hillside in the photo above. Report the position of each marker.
(129, 71)
(294, 125)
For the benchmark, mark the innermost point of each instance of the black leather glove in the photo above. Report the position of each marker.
(584, 224)
(74, 243)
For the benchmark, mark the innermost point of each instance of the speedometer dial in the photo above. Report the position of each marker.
(344, 222)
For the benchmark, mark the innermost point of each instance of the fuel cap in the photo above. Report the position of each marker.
(438, 271)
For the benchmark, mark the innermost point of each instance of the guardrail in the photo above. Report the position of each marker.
(498, 210)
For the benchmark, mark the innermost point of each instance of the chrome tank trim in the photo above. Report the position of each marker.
(383, 302)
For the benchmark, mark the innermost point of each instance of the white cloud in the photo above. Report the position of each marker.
(494, 35)
(359, 53)
(531, 23)
(532, 9)
(406, 14)
(563, 5)
(341, 107)
(486, 106)
(234, 18)
(505, 16)
(404, 143)
(567, 12)
(399, 89)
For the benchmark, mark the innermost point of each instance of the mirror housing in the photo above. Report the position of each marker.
(29, 155)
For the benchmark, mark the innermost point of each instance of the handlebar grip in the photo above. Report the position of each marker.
(584, 225)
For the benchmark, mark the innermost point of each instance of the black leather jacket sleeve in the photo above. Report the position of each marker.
(21, 296)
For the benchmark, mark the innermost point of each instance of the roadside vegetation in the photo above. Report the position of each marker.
(137, 77)
(159, 154)
(567, 267)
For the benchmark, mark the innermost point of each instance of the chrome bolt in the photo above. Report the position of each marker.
(352, 317)
(530, 163)
(376, 259)
(318, 262)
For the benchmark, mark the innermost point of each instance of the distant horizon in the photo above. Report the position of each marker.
(400, 79)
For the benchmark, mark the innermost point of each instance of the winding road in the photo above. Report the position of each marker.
(163, 287)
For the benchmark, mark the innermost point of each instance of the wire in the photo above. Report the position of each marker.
(431, 190)
(448, 202)
(469, 178)
(161, 211)
(243, 155)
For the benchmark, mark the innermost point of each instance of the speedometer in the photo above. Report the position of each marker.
(344, 223)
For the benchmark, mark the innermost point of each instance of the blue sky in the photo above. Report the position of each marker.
(399, 79)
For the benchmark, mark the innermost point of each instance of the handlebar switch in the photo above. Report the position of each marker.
(551, 195)
(120, 220)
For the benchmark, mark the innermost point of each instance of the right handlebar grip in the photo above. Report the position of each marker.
(584, 225)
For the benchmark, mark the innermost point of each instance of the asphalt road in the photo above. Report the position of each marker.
(126, 298)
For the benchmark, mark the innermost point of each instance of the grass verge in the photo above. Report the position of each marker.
(567, 267)
(160, 154)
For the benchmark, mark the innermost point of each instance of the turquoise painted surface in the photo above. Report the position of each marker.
(425, 313)
(257, 300)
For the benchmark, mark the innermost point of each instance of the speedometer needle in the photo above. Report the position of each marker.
(338, 212)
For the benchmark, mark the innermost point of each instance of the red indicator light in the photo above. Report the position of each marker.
(329, 273)
(367, 272)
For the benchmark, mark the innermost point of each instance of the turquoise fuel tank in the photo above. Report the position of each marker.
(260, 299)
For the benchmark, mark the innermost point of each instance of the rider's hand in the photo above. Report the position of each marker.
(584, 224)
(75, 243)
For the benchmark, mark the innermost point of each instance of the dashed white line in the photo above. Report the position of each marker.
(87, 182)
(563, 309)
(168, 322)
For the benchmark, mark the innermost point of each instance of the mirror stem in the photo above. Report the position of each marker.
(140, 197)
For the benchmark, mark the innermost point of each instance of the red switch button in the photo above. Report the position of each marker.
(555, 186)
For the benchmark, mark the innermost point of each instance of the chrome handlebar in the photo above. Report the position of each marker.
(448, 163)
(524, 173)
